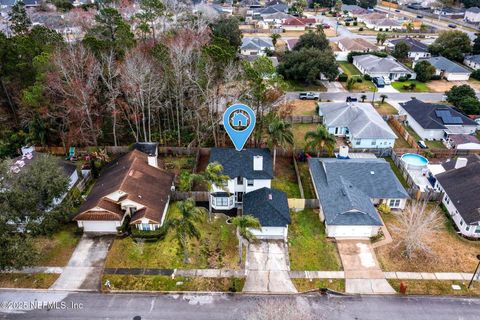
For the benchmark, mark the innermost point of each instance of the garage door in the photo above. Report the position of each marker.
(351, 231)
(100, 226)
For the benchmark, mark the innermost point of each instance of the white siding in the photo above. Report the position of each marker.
(457, 76)
(372, 143)
(352, 231)
(272, 233)
(99, 226)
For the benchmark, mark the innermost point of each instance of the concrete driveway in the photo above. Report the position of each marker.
(333, 86)
(85, 268)
(267, 268)
(387, 89)
(362, 272)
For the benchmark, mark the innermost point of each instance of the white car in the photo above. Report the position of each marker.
(387, 81)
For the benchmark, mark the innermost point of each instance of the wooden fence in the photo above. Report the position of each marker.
(403, 132)
(300, 204)
(199, 196)
(304, 119)
(62, 151)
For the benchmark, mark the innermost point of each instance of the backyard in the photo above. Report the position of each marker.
(285, 178)
(400, 142)
(177, 163)
(309, 248)
(308, 190)
(216, 248)
(451, 253)
(430, 144)
(350, 70)
(404, 86)
(299, 130)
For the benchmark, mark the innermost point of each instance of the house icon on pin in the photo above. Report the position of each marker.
(239, 119)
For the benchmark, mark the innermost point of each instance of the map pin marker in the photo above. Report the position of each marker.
(239, 121)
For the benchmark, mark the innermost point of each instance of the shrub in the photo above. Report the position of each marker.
(158, 234)
(355, 23)
(436, 77)
(384, 208)
(367, 77)
(360, 29)
(381, 29)
(343, 77)
(476, 74)
(359, 79)
(347, 24)
(402, 79)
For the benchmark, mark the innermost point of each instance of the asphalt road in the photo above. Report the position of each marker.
(224, 306)
(399, 96)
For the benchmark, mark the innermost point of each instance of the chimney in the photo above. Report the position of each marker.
(153, 161)
(151, 149)
(460, 163)
(257, 163)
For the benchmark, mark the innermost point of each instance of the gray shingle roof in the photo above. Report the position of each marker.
(240, 163)
(270, 206)
(473, 10)
(462, 186)
(425, 114)
(346, 188)
(361, 119)
(474, 58)
(373, 63)
(256, 43)
(442, 63)
(415, 45)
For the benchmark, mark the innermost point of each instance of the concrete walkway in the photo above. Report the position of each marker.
(267, 268)
(85, 268)
(362, 272)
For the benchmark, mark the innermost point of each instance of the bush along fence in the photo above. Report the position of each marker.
(304, 119)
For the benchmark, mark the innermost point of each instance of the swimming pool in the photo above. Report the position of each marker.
(414, 161)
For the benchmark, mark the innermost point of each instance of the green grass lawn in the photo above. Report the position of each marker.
(23, 280)
(216, 248)
(397, 172)
(308, 246)
(385, 109)
(299, 130)
(285, 178)
(56, 250)
(175, 164)
(350, 70)
(307, 184)
(296, 86)
(430, 144)
(420, 86)
(303, 285)
(166, 283)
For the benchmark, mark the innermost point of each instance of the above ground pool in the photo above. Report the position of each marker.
(414, 161)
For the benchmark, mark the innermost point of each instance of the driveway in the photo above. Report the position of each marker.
(333, 86)
(267, 268)
(387, 89)
(362, 272)
(85, 268)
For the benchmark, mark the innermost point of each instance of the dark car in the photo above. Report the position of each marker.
(420, 17)
(379, 82)
(451, 25)
(397, 10)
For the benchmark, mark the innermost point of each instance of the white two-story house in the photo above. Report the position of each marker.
(248, 190)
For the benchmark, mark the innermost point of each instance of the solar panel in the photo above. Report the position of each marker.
(447, 117)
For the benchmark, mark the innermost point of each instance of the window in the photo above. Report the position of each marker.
(477, 230)
(447, 200)
(250, 182)
(374, 142)
(239, 180)
(394, 203)
(461, 222)
(145, 226)
(357, 142)
(467, 228)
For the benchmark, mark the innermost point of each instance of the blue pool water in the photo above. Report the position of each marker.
(414, 159)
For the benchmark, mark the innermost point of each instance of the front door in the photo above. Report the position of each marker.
(240, 197)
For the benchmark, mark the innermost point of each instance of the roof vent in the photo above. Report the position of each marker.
(140, 196)
(372, 172)
(270, 197)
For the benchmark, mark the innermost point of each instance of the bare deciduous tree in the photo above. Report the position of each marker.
(418, 222)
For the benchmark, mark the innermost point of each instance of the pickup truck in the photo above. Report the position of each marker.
(309, 96)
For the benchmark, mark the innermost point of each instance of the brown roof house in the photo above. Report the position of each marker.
(131, 186)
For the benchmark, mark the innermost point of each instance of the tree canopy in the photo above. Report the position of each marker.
(401, 50)
(452, 44)
(464, 98)
(316, 40)
(424, 71)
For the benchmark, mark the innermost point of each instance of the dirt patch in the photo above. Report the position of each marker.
(303, 107)
(444, 85)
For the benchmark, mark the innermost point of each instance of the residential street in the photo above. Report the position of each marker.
(225, 306)
(341, 96)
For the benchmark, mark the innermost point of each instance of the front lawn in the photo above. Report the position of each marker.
(297, 86)
(285, 178)
(217, 248)
(166, 283)
(385, 109)
(436, 287)
(23, 280)
(350, 70)
(304, 107)
(402, 86)
(56, 250)
(303, 285)
(308, 247)
(451, 253)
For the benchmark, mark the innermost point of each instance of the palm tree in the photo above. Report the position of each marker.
(320, 139)
(279, 134)
(184, 225)
(383, 96)
(275, 37)
(363, 97)
(410, 27)
(244, 223)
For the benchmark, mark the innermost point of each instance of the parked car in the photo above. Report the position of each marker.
(326, 26)
(387, 81)
(351, 99)
(348, 19)
(451, 25)
(422, 144)
(309, 96)
(420, 17)
(378, 82)
(397, 10)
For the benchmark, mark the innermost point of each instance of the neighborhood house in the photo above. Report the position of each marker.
(417, 49)
(382, 67)
(447, 69)
(132, 186)
(349, 189)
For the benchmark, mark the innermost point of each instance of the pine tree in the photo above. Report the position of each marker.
(19, 20)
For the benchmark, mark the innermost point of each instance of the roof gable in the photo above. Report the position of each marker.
(240, 163)
(269, 206)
